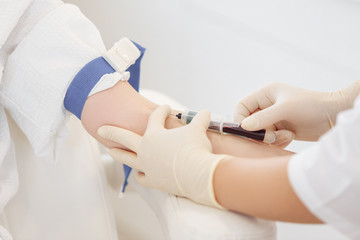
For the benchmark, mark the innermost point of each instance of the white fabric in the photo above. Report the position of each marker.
(40, 68)
(326, 176)
(31, 13)
(108, 81)
(181, 218)
(122, 55)
(4, 234)
(43, 43)
(11, 11)
(8, 173)
(62, 199)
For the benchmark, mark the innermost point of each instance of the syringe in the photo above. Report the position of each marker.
(223, 127)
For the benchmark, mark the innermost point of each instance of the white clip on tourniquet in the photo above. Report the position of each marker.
(120, 57)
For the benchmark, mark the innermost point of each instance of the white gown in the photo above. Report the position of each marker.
(62, 190)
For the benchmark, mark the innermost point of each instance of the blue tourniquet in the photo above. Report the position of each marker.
(86, 79)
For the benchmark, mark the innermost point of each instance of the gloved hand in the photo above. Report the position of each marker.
(179, 161)
(286, 110)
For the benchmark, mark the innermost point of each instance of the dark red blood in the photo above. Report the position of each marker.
(257, 135)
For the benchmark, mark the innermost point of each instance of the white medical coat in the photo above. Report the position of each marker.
(326, 176)
(62, 193)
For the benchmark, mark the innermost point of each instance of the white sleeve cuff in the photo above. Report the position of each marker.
(299, 179)
(326, 176)
(40, 69)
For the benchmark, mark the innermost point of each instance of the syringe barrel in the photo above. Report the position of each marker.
(187, 116)
(217, 124)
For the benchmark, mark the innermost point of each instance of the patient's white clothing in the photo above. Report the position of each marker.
(326, 176)
(62, 193)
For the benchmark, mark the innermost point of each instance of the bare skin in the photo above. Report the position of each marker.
(260, 188)
(250, 183)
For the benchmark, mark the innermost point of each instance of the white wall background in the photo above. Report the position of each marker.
(209, 54)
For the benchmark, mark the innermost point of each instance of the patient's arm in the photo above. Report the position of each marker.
(241, 184)
(122, 106)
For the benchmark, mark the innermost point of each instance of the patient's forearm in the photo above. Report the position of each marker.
(122, 106)
(257, 187)
(260, 188)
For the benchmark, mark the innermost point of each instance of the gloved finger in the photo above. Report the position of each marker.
(125, 157)
(122, 136)
(241, 112)
(158, 117)
(239, 118)
(201, 120)
(142, 179)
(250, 104)
(264, 118)
(270, 136)
(283, 138)
(350, 90)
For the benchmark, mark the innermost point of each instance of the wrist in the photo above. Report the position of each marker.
(220, 173)
(338, 101)
(198, 183)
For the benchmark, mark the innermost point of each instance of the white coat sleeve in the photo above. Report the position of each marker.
(10, 14)
(41, 66)
(326, 177)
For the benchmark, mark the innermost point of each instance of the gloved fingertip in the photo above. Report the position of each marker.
(202, 119)
(238, 118)
(270, 137)
(112, 152)
(206, 114)
(140, 178)
(166, 109)
(250, 123)
(290, 135)
(284, 136)
(102, 131)
(158, 117)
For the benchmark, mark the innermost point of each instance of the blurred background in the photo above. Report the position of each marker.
(210, 54)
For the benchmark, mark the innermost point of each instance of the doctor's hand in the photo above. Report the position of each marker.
(286, 110)
(179, 161)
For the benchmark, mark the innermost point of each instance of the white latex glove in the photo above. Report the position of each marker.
(179, 161)
(286, 110)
